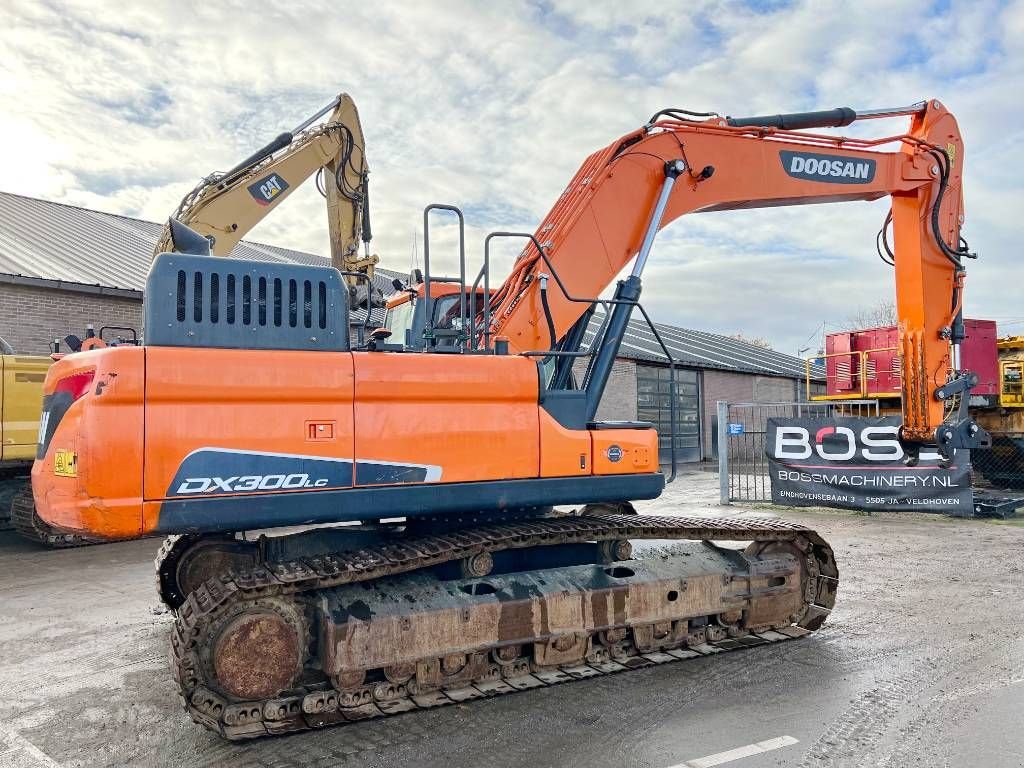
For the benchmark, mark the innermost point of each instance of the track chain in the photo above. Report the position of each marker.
(28, 524)
(10, 486)
(166, 565)
(318, 704)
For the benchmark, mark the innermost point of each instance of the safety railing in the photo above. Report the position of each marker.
(478, 338)
(430, 333)
(599, 337)
(861, 367)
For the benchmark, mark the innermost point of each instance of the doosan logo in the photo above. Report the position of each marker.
(880, 443)
(828, 168)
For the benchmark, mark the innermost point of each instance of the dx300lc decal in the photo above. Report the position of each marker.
(227, 471)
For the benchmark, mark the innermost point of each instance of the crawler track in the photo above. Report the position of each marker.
(314, 701)
(9, 487)
(27, 523)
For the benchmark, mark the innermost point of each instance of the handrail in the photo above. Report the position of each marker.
(428, 331)
(861, 358)
(851, 354)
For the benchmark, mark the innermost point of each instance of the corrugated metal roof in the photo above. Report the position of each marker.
(699, 349)
(53, 241)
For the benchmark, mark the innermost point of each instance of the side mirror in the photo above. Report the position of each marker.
(74, 343)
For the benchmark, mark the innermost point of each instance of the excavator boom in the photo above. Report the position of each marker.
(676, 165)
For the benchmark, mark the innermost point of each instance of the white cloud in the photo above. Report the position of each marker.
(493, 107)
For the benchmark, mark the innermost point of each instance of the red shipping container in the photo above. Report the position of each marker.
(876, 351)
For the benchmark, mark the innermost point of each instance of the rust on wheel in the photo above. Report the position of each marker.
(615, 550)
(349, 678)
(207, 559)
(257, 655)
(397, 673)
(477, 565)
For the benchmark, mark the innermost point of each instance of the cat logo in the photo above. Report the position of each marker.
(268, 189)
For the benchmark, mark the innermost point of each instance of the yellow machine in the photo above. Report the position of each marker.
(21, 400)
(1011, 372)
(223, 207)
(1003, 466)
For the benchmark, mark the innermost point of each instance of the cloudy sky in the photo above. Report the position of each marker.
(492, 106)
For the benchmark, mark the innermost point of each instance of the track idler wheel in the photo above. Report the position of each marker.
(818, 574)
(186, 562)
(260, 650)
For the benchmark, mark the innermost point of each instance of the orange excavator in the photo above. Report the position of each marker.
(431, 563)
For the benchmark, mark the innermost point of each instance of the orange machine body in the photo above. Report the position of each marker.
(149, 441)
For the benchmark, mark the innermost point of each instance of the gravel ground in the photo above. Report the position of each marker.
(921, 664)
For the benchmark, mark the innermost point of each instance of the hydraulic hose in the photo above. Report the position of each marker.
(547, 313)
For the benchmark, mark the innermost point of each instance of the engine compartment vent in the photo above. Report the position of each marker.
(203, 301)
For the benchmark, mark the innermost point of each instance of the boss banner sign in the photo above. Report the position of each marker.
(857, 463)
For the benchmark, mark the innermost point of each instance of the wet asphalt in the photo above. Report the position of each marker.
(921, 664)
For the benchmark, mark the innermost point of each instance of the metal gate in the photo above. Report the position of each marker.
(742, 461)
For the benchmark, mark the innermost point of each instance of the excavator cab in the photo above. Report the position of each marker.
(406, 316)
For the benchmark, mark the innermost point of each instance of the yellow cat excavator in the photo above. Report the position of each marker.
(224, 207)
(21, 398)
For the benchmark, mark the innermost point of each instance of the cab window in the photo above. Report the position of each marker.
(398, 320)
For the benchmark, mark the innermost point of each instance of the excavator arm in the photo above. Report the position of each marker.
(676, 165)
(225, 207)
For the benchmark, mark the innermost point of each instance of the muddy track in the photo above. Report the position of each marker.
(227, 599)
(27, 523)
(10, 486)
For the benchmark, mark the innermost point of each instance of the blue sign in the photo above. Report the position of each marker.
(735, 429)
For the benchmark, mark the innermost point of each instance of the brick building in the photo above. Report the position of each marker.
(63, 267)
(709, 368)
